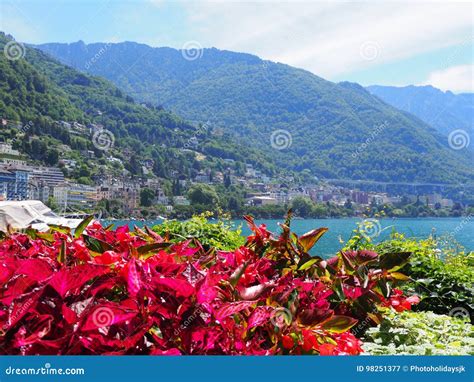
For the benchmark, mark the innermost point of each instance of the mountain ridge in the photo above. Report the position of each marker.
(452, 111)
(252, 98)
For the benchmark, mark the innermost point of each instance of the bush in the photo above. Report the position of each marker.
(220, 234)
(120, 292)
(440, 273)
(444, 278)
(422, 333)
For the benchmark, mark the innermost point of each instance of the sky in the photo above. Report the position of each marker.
(375, 42)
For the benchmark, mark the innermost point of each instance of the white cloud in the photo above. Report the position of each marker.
(14, 21)
(330, 39)
(458, 79)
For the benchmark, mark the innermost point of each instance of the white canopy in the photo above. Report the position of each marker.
(23, 214)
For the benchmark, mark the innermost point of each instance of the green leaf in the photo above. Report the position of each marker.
(31, 233)
(339, 324)
(82, 226)
(307, 264)
(399, 276)
(96, 245)
(309, 239)
(62, 252)
(385, 287)
(394, 261)
(49, 237)
(109, 227)
(151, 248)
(59, 228)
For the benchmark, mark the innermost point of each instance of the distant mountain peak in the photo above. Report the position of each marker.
(444, 110)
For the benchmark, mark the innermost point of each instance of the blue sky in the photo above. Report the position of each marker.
(375, 42)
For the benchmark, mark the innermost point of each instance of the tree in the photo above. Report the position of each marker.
(51, 203)
(302, 206)
(319, 210)
(203, 194)
(234, 204)
(227, 180)
(348, 204)
(146, 197)
(134, 166)
(52, 157)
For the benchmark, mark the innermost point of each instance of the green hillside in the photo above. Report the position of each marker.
(37, 91)
(336, 130)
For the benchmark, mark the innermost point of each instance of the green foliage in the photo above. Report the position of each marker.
(420, 333)
(440, 273)
(302, 206)
(306, 208)
(203, 194)
(220, 234)
(406, 208)
(37, 91)
(146, 197)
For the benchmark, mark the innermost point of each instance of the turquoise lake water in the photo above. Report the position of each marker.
(461, 229)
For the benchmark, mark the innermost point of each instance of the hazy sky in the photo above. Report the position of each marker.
(378, 42)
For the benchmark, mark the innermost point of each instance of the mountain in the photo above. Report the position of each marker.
(334, 131)
(40, 96)
(445, 111)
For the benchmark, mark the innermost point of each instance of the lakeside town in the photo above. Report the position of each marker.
(22, 179)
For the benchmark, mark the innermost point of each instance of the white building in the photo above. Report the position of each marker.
(181, 201)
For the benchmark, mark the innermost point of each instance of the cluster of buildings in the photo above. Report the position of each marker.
(266, 191)
(339, 196)
(20, 181)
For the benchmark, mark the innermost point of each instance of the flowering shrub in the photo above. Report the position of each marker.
(101, 291)
(440, 272)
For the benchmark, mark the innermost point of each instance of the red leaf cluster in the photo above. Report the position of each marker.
(121, 292)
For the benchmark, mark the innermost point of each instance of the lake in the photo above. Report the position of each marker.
(461, 229)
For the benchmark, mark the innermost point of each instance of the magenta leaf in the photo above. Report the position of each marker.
(69, 279)
(230, 308)
(180, 287)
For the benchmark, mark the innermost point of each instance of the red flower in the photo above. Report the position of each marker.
(401, 303)
(327, 349)
(347, 344)
(287, 342)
